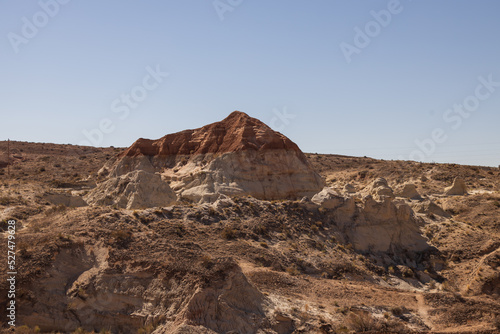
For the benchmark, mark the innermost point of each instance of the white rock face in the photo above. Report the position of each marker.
(387, 226)
(377, 226)
(268, 175)
(134, 190)
(458, 188)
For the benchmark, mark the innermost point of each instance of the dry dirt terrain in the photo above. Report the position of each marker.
(243, 265)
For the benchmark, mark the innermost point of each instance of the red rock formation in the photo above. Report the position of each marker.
(237, 156)
(237, 132)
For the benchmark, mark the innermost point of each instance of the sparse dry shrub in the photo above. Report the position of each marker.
(342, 267)
(6, 200)
(179, 229)
(449, 285)
(342, 310)
(121, 237)
(496, 322)
(261, 229)
(24, 248)
(342, 329)
(407, 272)
(228, 233)
(146, 330)
(27, 330)
(79, 330)
(393, 326)
(292, 270)
(397, 311)
(212, 212)
(361, 322)
(207, 261)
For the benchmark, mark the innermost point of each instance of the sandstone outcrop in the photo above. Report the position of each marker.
(458, 188)
(377, 226)
(387, 226)
(237, 156)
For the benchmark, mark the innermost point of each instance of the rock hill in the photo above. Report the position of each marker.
(237, 156)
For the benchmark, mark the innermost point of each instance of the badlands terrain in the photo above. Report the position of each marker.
(230, 228)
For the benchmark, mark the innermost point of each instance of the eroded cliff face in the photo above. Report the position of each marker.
(386, 225)
(86, 289)
(237, 156)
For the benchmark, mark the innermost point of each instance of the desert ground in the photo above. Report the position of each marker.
(246, 265)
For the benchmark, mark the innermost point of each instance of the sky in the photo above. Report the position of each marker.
(410, 80)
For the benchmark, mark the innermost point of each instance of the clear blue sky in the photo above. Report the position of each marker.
(264, 58)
